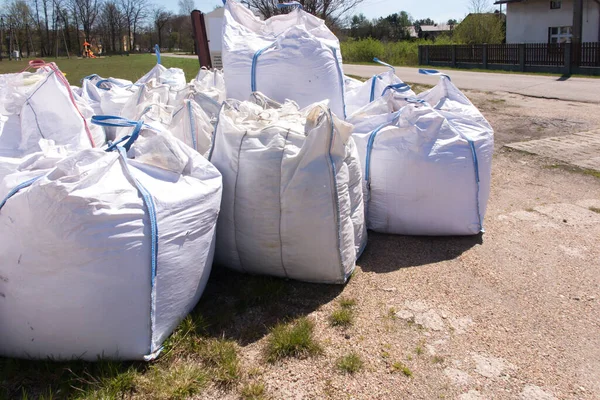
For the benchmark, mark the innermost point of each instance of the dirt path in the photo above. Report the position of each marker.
(514, 314)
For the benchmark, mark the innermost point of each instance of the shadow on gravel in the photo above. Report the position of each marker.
(387, 253)
(244, 308)
(564, 77)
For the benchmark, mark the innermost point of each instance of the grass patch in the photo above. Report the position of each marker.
(130, 67)
(399, 367)
(419, 350)
(595, 209)
(349, 363)
(391, 313)
(437, 359)
(346, 302)
(341, 317)
(294, 339)
(577, 170)
(220, 356)
(179, 381)
(253, 391)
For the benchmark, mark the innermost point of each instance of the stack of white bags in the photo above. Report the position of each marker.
(114, 196)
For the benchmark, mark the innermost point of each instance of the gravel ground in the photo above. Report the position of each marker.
(511, 314)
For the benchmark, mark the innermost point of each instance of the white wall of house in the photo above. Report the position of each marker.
(528, 21)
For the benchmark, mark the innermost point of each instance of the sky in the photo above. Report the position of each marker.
(438, 10)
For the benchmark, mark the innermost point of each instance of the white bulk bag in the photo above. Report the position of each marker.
(292, 199)
(174, 77)
(46, 108)
(106, 253)
(192, 126)
(372, 89)
(211, 81)
(427, 171)
(292, 56)
(110, 93)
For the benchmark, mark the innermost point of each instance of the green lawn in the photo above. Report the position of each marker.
(125, 67)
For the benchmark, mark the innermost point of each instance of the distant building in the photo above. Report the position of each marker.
(549, 21)
(214, 27)
(433, 31)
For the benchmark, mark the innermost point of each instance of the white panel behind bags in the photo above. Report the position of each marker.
(78, 279)
(295, 56)
(292, 204)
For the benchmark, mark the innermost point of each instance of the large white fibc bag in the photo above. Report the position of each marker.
(211, 82)
(427, 170)
(292, 199)
(104, 254)
(42, 106)
(292, 56)
(190, 124)
(174, 77)
(358, 96)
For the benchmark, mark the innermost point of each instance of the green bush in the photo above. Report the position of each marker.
(395, 53)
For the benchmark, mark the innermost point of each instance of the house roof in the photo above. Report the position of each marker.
(436, 28)
(507, 1)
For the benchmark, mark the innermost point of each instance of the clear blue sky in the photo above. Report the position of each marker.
(438, 10)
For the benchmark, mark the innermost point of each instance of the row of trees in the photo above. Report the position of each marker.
(60, 27)
(482, 25)
(397, 26)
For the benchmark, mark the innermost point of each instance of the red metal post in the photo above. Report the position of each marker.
(201, 39)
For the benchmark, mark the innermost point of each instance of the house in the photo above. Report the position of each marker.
(433, 31)
(549, 21)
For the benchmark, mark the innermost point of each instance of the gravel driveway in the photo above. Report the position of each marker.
(511, 314)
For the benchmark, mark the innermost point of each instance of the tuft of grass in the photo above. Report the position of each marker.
(221, 357)
(294, 339)
(391, 314)
(399, 367)
(419, 350)
(346, 302)
(178, 381)
(350, 363)
(595, 209)
(253, 391)
(184, 339)
(437, 359)
(341, 317)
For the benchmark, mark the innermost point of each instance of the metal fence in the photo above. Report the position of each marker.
(542, 57)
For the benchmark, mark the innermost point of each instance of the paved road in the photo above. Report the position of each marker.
(573, 89)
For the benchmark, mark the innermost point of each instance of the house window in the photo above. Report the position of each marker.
(560, 34)
(555, 4)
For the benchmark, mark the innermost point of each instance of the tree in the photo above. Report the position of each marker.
(111, 21)
(452, 22)
(479, 6)
(480, 28)
(424, 21)
(332, 11)
(87, 11)
(161, 19)
(134, 12)
(360, 27)
(186, 6)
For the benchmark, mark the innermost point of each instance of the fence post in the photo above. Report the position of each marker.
(522, 56)
(420, 56)
(485, 56)
(568, 58)
(454, 55)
